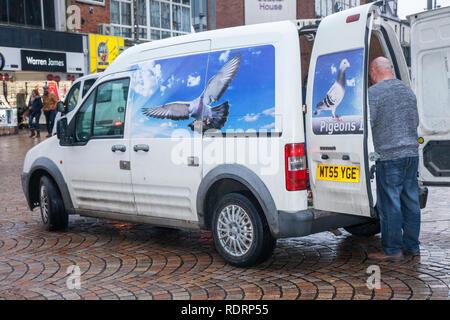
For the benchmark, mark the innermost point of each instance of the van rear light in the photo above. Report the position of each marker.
(352, 18)
(295, 160)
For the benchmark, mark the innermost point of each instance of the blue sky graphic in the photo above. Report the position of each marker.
(327, 68)
(251, 94)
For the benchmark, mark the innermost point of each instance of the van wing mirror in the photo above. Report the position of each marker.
(61, 133)
(61, 107)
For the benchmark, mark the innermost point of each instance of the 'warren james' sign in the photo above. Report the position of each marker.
(43, 61)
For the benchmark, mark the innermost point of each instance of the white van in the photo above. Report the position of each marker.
(76, 93)
(207, 131)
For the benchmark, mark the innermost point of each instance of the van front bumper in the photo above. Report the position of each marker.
(306, 222)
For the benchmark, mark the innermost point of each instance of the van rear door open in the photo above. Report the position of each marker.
(339, 140)
(430, 70)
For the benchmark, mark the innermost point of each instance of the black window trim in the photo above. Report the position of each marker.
(92, 137)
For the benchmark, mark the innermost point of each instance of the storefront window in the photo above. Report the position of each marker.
(186, 19)
(165, 15)
(115, 12)
(33, 13)
(324, 8)
(142, 33)
(176, 17)
(126, 13)
(155, 34)
(49, 14)
(28, 12)
(165, 34)
(142, 12)
(155, 14)
(16, 11)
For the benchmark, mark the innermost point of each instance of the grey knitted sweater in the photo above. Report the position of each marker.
(394, 119)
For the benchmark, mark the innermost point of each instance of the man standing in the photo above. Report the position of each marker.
(49, 101)
(394, 121)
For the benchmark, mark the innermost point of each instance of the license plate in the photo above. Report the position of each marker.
(338, 173)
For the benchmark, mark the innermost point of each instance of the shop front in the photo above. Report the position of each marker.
(49, 58)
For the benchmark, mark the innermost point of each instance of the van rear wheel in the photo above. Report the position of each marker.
(53, 213)
(241, 235)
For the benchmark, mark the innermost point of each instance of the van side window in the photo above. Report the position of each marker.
(72, 97)
(87, 85)
(110, 105)
(83, 121)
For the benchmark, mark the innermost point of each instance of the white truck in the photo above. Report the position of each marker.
(208, 131)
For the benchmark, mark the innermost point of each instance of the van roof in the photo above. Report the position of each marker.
(127, 58)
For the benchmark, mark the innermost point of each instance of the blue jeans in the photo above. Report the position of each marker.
(36, 116)
(398, 204)
(50, 120)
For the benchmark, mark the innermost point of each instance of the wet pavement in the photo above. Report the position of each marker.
(129, 261)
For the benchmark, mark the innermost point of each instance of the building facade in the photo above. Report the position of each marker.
(135, 20)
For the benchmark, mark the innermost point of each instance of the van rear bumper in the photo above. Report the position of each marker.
(306, 222)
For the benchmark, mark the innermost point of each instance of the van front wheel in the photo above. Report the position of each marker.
(53, 213)
(241, 235)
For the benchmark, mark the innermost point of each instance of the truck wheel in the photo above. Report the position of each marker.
(365, 230)
(53, 213)
(241, 235)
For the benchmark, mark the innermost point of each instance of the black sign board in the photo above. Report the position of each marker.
(43, 61)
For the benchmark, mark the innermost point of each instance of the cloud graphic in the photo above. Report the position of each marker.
(193, 81)
(170, 81)
(351, 82)
(148, 78)
(224, 56)
(269, 112)
(333, 69)
(269, 126)
(168, 124)
(250, 117)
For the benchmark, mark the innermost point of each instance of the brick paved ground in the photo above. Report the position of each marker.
(127, 261)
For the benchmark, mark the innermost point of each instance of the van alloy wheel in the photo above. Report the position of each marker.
(240, 231)
(235, 230)
(44, 203)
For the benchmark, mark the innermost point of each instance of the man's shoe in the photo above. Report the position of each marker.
(38, 134)
(32, 133)
(384, 257)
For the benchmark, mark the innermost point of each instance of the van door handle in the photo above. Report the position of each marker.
(324, 157)
(142, 147)
(345, 157)
(118, 147)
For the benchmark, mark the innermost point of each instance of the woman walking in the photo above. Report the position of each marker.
(35, 112)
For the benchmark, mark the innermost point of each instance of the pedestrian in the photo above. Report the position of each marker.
(394, 120)
(35, 107)
(49, 101)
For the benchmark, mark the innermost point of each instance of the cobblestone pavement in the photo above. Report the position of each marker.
(129, 261)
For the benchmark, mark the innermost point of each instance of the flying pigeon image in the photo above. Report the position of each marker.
(225, 90)
(200, 109)
(338, 93)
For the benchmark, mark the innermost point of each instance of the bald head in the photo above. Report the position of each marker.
(380, 69)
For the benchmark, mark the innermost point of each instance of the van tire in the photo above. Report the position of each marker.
(247, 221)
(53, 213)
(365, 230)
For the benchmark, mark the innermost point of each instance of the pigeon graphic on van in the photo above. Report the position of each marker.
(335, 94)
(211, 117)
